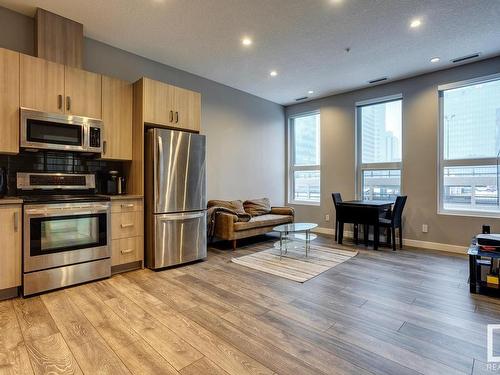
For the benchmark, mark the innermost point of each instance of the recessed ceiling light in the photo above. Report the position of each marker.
(273, 73)
(310, 92)
(435, 59)
(415, 23)
(246, 41)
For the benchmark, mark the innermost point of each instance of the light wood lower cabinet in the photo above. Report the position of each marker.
(127, 250)
(127, 232)
(10, 234)
(126, 224)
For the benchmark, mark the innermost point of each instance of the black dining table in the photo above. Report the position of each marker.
(362, 212)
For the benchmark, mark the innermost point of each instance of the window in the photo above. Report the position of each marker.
(304, 168)
(470, 146)
(379, 148)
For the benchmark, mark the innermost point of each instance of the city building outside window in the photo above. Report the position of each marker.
(469, 147)
(304, 159)
(379, 143)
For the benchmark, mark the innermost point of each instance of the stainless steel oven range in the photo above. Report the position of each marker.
(66, 238)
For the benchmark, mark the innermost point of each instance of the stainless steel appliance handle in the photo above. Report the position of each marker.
(63, 211)
(171, 217)
(159, 165)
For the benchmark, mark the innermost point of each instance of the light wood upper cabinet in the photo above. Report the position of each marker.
(193, 111)
(117, 119)
(55, 88)
(157, 102)
(41, 84)
(10, 233)
(9, 101)
(83, 93)
(187, 109)
(171, 106)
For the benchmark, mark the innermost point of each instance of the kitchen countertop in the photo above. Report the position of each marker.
(10, 200)
(124, 196)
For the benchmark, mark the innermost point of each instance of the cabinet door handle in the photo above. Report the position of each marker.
(59, 101)
(171, 116)
(104, 147)
(127, 251)
(129, 205)
(127, 225)
(16, 221)
(176, 117)
(68, 103)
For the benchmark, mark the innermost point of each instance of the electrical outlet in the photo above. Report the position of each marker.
(327, 217)
(425, 228)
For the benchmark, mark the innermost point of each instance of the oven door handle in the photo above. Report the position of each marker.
(67, 211)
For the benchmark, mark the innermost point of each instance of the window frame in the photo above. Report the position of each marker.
(292, 168)
(443, 163)
(360, 166)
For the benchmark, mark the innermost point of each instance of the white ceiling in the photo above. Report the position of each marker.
(304, 40)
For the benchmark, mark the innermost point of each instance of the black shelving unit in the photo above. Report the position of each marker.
(477, 260)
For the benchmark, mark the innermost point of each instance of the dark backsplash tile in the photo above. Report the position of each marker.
(53, 161)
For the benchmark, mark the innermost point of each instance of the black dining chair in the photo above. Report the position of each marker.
(337, 198)
(340, 220)
(395, 222)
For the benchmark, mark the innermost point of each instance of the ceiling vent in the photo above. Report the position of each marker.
(465, 58)
(303, 98)
(378, 80)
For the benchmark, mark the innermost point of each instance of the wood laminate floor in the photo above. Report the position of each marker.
(382, 312)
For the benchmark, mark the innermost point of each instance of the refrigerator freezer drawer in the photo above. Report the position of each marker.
(178, 238)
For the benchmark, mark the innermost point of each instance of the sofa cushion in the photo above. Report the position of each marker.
(263, 221)
(236, 206)
(256, 207)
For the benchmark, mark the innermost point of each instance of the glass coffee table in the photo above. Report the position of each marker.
(295, 235)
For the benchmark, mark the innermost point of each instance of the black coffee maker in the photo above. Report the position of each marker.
(114, 184)
(3, 182)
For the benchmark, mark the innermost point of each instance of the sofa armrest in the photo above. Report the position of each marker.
(224, 225)
(283, 211)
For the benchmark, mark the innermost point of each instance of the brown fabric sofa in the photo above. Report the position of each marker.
(228, 226)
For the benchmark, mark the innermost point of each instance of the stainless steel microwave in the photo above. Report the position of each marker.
(54, 131)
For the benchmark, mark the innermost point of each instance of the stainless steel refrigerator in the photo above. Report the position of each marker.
(175, 187)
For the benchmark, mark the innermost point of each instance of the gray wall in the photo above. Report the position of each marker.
(245, 134)
(420, 153)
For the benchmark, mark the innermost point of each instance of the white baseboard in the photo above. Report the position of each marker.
(328, 231)
(413, 243)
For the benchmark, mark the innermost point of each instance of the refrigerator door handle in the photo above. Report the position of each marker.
(187, 216)
(159, 164)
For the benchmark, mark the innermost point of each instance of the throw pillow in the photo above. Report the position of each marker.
(257, 207)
